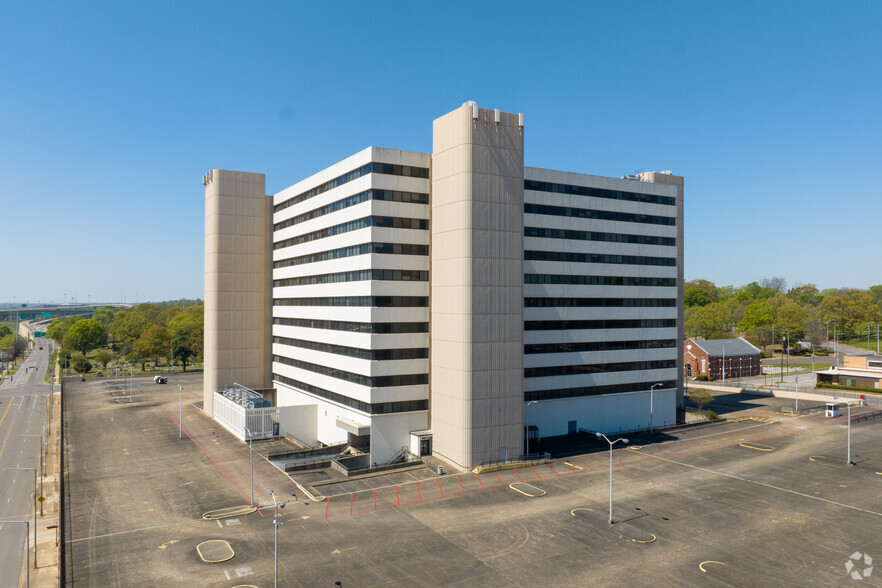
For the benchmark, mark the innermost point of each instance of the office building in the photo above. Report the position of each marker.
(448, 302)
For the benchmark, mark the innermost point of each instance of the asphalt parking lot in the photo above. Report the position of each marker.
(764, 501)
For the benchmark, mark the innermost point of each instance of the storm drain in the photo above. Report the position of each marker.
(215, 551)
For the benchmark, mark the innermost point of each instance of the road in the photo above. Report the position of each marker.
(22, 412)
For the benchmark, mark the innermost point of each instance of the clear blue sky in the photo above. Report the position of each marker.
(110, 112)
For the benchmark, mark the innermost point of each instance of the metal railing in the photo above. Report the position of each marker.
(527, 459)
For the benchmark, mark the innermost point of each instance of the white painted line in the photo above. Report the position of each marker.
(734, 477)
(227, 574)
(120, 533)
(220, 525)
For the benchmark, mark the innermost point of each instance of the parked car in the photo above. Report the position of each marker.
(160, 379)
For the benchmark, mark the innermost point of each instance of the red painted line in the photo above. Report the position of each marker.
(537, 473)
(572, 469)
(420, 494)
(375, 499)
(598, 461)
(242, 492)
(550, 467)
(585, 464)
(351, 503)
(478, 476)
(517, 474)
(460, 484)
(439, 486)
(501, 483)
(397, 497)
(327, 506)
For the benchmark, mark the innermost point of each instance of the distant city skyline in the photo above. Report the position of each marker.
(113, 114)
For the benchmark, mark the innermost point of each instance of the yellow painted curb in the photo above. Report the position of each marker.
(307, 493)
(512, 486)
(645, 542)
(233, 511)
(573, 512)
(816, 457)
(701, 565)
(757, 446)
(216, 543)
(572, 465)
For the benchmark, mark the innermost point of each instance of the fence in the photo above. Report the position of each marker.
(528, 459)
(235, 418)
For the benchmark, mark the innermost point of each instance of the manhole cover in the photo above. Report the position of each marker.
(215, 551)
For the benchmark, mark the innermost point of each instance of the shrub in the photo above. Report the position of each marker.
(81, 365)
(702, 378)
(712, 415)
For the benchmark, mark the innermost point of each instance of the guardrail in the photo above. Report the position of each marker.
(528, 459)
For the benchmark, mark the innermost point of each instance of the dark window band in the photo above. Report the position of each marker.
(597, 280)
(356, 276)
(394, 222)
(599, 324)
(378, 408)
(610, 215)
(597, 192)
(390, 195)
(352, 327)
(362, 249)
(569, 235)
(599, 302)
(376, 301)
(594, 390)
(377, 168)
(597, 368)
(571, 257)
(371, 382)
(368, 354)
(598, 346)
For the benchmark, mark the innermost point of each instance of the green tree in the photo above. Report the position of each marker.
(81, 364)
(700, 397)
(58, 328)
(104, 315)
(154, 343)
(187, 334)
(128, 326)
(695, 297)
(805, 295)
(849, 310)
(758, 313)
(104, 356)
(85, 335)
(704, 321)
(5, 330)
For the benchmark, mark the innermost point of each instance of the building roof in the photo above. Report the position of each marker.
(728, 347)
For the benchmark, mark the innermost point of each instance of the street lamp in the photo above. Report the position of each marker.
(651, 389)
(42, 471)
(35, 509)
(276, 523)
(849, 462)
(611, 443)
(251, 462)
(27, 548)
(180, 412)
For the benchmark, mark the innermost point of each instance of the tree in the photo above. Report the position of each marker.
(758, 313)
(153, 343)
(700, 397)
(85, 335)
(187, 334)
(128, 326)
(104, 356)
(59, 327)
(81, 364)
(104, 315)
(704, 321)
(805, 294)
(5, 330)
(775, 284)
(848, 310)
(695, 297)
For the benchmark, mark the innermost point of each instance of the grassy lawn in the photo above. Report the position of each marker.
(150, 368)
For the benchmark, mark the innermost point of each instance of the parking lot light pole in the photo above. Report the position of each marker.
(276, 522)
(651, 389)
(611, 443)
(849, 462)
(27, 548)
(42, 473)
(35, 509)
(180, 412)
(251, 462)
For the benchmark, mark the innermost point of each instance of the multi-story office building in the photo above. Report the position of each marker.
(457, 296)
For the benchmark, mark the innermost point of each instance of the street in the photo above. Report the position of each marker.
(23, 405)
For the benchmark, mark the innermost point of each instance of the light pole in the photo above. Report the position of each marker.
(27, 548)
(42, 473)
(35, 509)
(526, 438)
(611, 443)
(651, 389)
(849, 462)
(276, 523)
(251, 462)
(180, 412)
